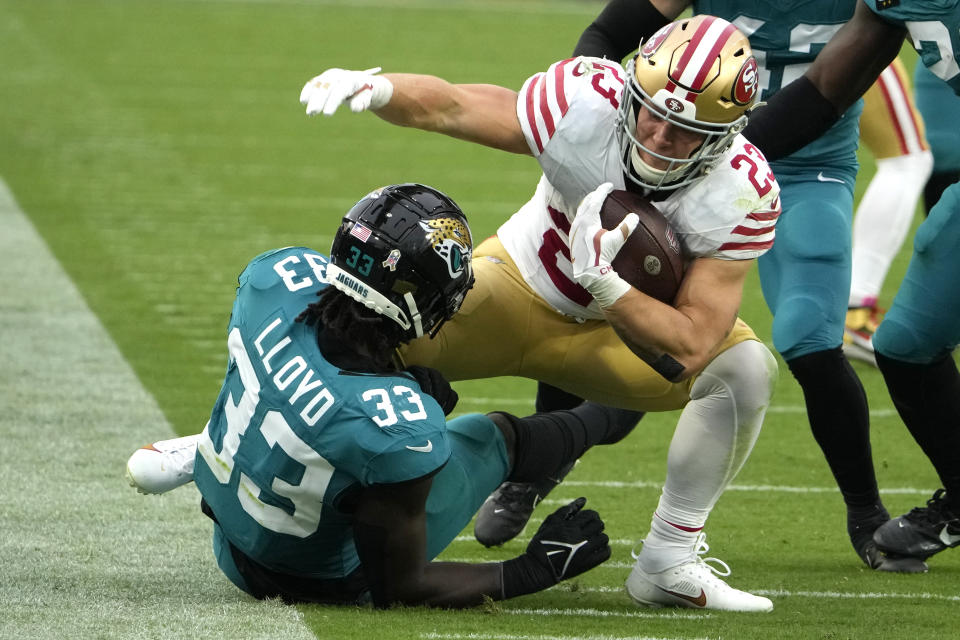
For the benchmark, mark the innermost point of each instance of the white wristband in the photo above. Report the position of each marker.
(381, 91)
(608, 289)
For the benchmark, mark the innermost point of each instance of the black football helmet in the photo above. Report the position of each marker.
(406, 252)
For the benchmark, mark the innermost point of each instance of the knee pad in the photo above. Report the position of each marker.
(747, 371)
(803, 324)
(899, 339)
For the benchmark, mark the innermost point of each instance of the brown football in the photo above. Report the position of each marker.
(651, 260)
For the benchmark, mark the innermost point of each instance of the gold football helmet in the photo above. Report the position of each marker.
(699, 74)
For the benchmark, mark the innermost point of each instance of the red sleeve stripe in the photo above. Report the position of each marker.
(531, 116)
(752, 231)
(746, 246)
(546, 103)
(545, 110)
(902, 116)
(558, 76)
(763, 216)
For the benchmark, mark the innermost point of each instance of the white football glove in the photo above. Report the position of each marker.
(593, 248)
(361, 90)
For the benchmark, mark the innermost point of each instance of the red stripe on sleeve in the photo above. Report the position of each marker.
(561, 93)
(763, 216)
(545, 110)
(749, 246)
(888, 103)
(752, 231)
(531, 117)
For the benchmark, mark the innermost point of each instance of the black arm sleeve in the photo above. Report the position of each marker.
(794, 117)
(619, 29)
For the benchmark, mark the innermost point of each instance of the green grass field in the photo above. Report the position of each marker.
(156, 146)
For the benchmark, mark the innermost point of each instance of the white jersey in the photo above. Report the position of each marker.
(569, 115)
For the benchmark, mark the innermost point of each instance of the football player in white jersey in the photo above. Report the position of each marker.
(546, 304)
(807, 278)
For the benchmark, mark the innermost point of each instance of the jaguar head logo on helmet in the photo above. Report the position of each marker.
(700, 76)
(405, 251)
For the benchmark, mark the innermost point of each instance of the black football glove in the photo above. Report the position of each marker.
(435, 385)
(569, 542)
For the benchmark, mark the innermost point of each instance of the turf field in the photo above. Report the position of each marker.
(150, 149)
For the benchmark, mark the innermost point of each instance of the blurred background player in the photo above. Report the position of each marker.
(331, 475)
(892, 129)
(914, 343)
(806, 274)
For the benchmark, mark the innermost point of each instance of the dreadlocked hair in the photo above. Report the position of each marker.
(350, 322)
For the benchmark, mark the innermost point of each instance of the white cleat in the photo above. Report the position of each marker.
(163, 465)
(692, 584)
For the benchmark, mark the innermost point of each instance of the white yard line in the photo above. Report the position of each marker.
(829, 595)
(82, 555)
(509, 636)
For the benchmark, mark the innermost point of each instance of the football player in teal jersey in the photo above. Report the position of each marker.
(939, 107)
(806, 275)
(333, 477)
(915, 341)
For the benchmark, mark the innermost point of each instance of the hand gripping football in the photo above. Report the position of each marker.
(650, 260)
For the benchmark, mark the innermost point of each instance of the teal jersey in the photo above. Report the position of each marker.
(939, 106)
(292, 436)
(786, 36)
(934, 28)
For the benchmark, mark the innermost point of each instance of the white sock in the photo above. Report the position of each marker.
(714, 436)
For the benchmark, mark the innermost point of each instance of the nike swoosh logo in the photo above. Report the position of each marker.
(823, 178)
(948, 538)
(700, 600)
(427, 448)
(498, 510)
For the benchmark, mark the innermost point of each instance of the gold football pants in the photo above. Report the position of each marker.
(505, 329)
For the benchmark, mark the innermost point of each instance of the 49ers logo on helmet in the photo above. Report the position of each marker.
(673, 105)
(650, 46)
(745, 88)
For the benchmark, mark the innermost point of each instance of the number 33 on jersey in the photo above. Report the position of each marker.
(291, 434)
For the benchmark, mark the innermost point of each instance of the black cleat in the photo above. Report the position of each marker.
(505, 513)
(922, 532)
(861, 525)
(503, 516)
(884, 561)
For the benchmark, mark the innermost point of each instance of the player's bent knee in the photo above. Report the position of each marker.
(900, 340)
(938, 237)
(505, 424)
(747, 371)
(803, 325)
